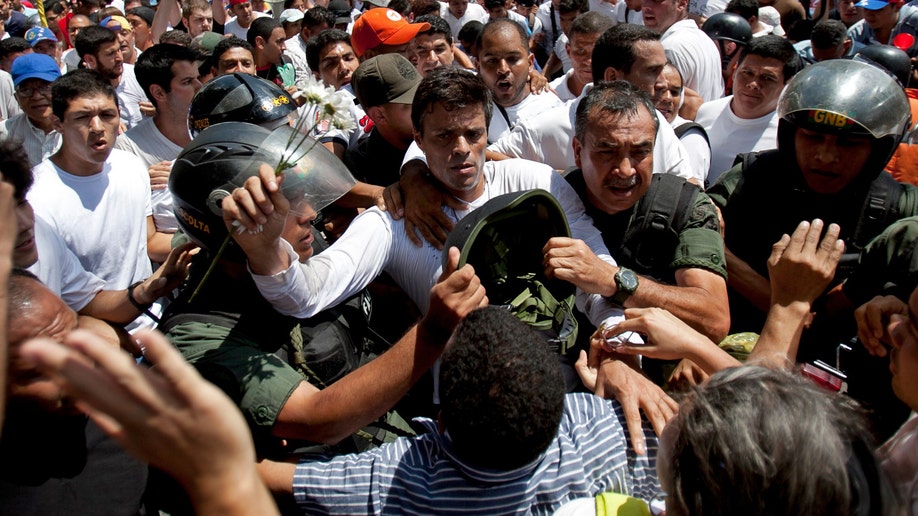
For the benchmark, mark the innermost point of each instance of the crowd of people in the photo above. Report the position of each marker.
(265, 257)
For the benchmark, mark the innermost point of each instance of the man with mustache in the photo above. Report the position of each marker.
(685, 274)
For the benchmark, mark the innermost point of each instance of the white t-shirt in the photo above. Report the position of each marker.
(150, 145)
(697, 148)
(731, 135)
(560, 50)
(562, 89)
(232, 26)
(603, 7)
(530, 106)
(102, 218)
(696, 56)
(374, 243)
(8, 105)
(551, 30)
(130, 95)
(548, 138)
(296, 53)
(474, 12)
(625, 15)
(60, 270)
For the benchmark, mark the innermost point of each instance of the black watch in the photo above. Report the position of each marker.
(626, 283)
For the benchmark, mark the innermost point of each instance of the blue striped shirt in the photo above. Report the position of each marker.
(421, 475)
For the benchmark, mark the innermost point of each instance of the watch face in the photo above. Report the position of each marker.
(628, 280)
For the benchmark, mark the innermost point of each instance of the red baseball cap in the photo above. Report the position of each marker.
(382, 26)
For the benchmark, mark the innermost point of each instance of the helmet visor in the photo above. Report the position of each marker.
(313, 176)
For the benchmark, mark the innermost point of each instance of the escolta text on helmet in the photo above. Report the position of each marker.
(240, 97)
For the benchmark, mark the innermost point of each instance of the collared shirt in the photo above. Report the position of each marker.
(37, 144)
(422, 475)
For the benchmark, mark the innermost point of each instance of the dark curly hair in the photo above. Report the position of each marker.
(501, 391)
(14, 165)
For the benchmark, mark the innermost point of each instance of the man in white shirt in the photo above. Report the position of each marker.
(585, 30)
(169, 77)
(243, 15)
(687, 47)
(625, 52)
(32, 77)
(459, 12)
(100, 51)
(96, 198)
(450, 117)
(747, 121)
(504, 62)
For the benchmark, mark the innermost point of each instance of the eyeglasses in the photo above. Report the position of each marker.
(28, 91)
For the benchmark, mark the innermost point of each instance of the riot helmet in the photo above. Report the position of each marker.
(223, 156)
(723, 27)
(890, 58)
(240, 97)
(846, 98)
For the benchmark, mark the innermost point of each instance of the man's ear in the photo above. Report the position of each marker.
(611, 74)
(376, 114)
(56, 123)
(90, 61)
(531, 61)
(417, 139)
(847, 45)
(158, 93)
(259, 42)
(577, 148)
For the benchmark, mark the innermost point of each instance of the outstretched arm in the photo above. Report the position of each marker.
(167, 415)
(363, 395)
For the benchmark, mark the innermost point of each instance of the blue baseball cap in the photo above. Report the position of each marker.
(875, 5)
(34, 66)
(36, 34)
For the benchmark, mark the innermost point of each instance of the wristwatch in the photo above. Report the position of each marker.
(626, 283)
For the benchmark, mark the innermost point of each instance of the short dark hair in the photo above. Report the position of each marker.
(81, 83)
(490, 4)
(499, 24)
(402, 7)
(188, 7)
(261, 27)
(318, 15)
(470, 31)
(90, 39)
(501, 391)
(154, 66)
(454, 88)
(316, 43)
(437, 26)
(424, 7)
(774, 47)
(227, 43)
(745, 8)
(13, 45)
(176, 37)
(570, 6)
(54, 6)
(615, 48)
(828, 34)
(591, 23)
(14, 163)
(615, 98)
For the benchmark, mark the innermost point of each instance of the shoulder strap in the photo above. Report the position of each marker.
(554, 25)
(879, 209)
(684, 128)
(657, 221)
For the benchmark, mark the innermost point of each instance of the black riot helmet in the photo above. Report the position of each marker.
(890, 58)
(223, 156)
(728, 27)
(240, 97)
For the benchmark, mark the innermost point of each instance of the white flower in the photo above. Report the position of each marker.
(314, 91)
(338, 107)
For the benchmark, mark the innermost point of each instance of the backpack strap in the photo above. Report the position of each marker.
(880, 209)
(684, 128)
(657, 221)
